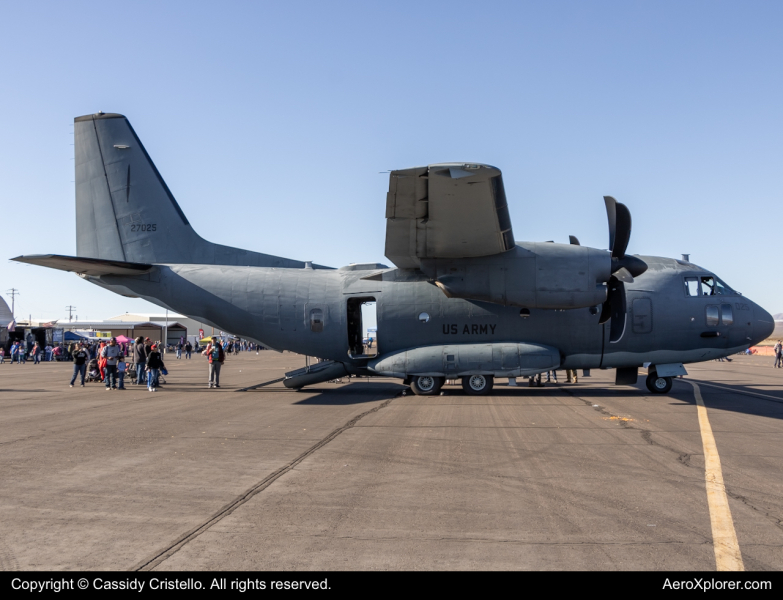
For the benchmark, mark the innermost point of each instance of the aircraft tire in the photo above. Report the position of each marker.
(658, 385)
(478, 385)
(426, 385)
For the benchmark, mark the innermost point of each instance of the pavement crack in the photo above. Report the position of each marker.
(775, 520)
(153, 561)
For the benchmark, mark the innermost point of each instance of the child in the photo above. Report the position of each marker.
(121, 372)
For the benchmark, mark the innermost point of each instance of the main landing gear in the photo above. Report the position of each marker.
(478, 385)
(657, 384)
(426, 385)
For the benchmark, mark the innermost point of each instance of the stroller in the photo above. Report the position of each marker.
(131, 373)
(93, 374)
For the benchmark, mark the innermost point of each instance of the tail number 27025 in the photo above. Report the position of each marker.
(143, 227)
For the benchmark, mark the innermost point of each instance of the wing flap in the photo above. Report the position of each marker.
(85, 266)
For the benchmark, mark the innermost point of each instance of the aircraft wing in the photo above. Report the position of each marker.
(85, 266)
(449, 210)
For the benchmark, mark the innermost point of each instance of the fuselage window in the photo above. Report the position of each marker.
(726, 315)
(316, 320)
(692, 286)
(708, 286)
(713, 317)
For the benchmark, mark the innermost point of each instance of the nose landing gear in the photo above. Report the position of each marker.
(657, 384)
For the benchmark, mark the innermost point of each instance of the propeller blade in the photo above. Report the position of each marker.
(619, 313)
(634, 265)
(623, 275)
(623, 230)
(606, 313)
(611, 217)
(573, 241)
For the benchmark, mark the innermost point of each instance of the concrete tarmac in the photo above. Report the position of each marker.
(355, 475)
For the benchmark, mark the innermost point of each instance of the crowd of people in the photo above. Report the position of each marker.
(142, 359)
(20, 352)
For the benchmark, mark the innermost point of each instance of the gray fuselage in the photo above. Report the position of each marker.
(309, 312)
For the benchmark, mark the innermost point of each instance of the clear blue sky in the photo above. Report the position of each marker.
(271, 123)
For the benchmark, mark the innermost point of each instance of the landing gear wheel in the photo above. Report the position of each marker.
(478, 385)
(657, 384)
(426, 385)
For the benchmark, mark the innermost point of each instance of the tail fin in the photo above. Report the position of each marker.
(126, 212)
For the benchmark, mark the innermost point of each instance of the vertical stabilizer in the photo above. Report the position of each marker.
(125, 211)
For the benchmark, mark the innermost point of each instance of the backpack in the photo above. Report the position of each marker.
(214, 356)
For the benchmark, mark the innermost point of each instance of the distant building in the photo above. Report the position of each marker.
(155, 330)
(191, 325)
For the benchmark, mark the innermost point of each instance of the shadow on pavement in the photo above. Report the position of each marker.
(352, 393)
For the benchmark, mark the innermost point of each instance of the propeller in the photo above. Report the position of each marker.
(624, 268)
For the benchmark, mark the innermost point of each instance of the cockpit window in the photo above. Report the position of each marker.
(708, 286)
(712, 286)
(691, 286)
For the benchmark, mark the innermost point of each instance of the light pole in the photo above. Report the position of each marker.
(14, 293)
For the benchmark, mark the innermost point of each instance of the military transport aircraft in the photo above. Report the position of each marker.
(465, 299)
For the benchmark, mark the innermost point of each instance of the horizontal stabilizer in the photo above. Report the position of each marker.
(85, 266)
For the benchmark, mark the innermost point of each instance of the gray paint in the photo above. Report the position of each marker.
(535, 301)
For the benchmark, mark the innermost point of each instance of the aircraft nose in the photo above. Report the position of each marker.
(763, 324)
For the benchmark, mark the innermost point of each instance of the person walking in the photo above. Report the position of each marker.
(36, 353)
(779, 354)
(569, 374)
(154, 365)
(179, 350)
(80, 358)
(111, 354)
(188, 349)
(216, 356)
(139, 359)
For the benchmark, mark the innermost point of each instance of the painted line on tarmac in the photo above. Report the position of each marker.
(723, 387)
(153, 561)
(253, 387)
(724, 539)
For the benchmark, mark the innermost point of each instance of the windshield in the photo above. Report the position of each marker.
(714, 286)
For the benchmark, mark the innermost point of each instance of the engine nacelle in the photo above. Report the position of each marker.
(532, 275)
